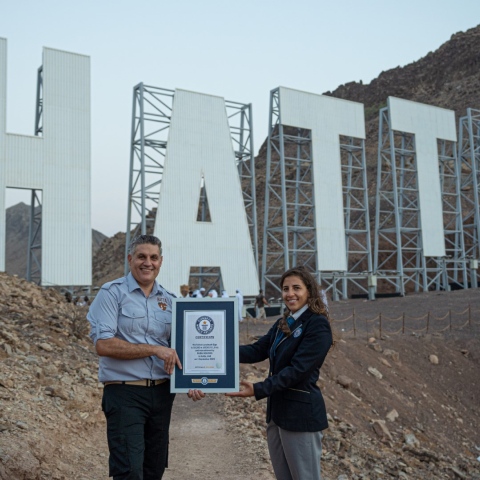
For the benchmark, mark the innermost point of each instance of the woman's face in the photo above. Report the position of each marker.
(294, 293)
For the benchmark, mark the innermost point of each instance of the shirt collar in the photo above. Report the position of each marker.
(297, 314)
(133, 285)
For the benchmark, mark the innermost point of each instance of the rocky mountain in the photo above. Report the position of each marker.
(17, 225)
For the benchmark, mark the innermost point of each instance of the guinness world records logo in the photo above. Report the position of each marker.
(204, 325)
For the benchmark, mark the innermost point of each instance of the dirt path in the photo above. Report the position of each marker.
(203, 447)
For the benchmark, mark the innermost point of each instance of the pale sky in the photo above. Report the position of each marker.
(236, 50)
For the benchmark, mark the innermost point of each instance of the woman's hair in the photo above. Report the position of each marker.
(315, 302)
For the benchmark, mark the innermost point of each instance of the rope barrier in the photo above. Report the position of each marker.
(343, 319)
(440, 318)
(392, 319)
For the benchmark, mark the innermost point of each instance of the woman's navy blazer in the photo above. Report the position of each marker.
(295, 401)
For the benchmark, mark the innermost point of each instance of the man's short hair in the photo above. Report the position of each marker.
(144, 240)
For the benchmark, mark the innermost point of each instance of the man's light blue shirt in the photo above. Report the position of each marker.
(122, 310)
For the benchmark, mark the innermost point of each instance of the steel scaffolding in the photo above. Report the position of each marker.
(398, 253)
(289, 234)
(469, 158)
(34, 257)
(151, 116)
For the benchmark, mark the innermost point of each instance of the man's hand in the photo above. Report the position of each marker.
(170, 359)
(246, 392)
(118, 348)
(195, 395)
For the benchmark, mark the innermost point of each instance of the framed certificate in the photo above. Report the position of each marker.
(205, 336)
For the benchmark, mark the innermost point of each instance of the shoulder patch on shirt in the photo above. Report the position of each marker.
(169, 293)
(117, 281)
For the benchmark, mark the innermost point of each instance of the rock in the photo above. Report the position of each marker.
(373, 371)
(392, 354)
(411, 439)
(46, 346)
(381, 429)
(372, 340)
(392, 415)
(458, 473)
(385, 362)
(6, 382)
(344, 381)
(57, 392)
(22, 425)
(433, 359)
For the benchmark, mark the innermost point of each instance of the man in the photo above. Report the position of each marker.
(184, 289)
(130, 321)
(260, 302)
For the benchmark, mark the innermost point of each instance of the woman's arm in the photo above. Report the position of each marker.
(310, 355)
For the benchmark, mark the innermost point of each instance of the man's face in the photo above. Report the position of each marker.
(145, 264)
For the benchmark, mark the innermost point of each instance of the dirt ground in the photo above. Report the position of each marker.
(401, 406)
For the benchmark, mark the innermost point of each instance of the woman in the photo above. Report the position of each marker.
(296, 346)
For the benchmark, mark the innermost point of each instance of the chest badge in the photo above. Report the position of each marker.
(297, 332)
(162, 303)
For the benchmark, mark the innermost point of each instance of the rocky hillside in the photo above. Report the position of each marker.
(447, 77)
(17, 225)
(400, 406)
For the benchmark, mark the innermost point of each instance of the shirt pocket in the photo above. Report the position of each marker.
(161, 327)
(132, 320)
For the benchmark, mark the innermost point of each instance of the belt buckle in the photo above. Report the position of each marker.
(151, 383)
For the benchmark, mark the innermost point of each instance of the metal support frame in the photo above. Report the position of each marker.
(151, 116)
(357, 225)
(289, 226)
(469, 158)
(34, 258)
(398, 250)
(241, 128)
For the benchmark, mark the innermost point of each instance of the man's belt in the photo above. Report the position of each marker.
(141, 383)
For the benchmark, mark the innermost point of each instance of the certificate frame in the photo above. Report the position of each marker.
(204, 331)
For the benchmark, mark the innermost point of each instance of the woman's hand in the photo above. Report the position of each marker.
(195, 395)
(247, 390)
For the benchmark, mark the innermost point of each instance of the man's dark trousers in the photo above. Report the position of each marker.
(138, 419)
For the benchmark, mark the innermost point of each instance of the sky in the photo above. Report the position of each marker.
(236, 50)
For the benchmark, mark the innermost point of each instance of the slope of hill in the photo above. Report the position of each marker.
(395, 413)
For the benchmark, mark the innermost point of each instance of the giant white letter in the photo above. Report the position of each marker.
(200, 145)
(57, 163)
(327, 118)
(428, 124)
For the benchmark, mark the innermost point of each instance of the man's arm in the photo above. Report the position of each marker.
(123, 350)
